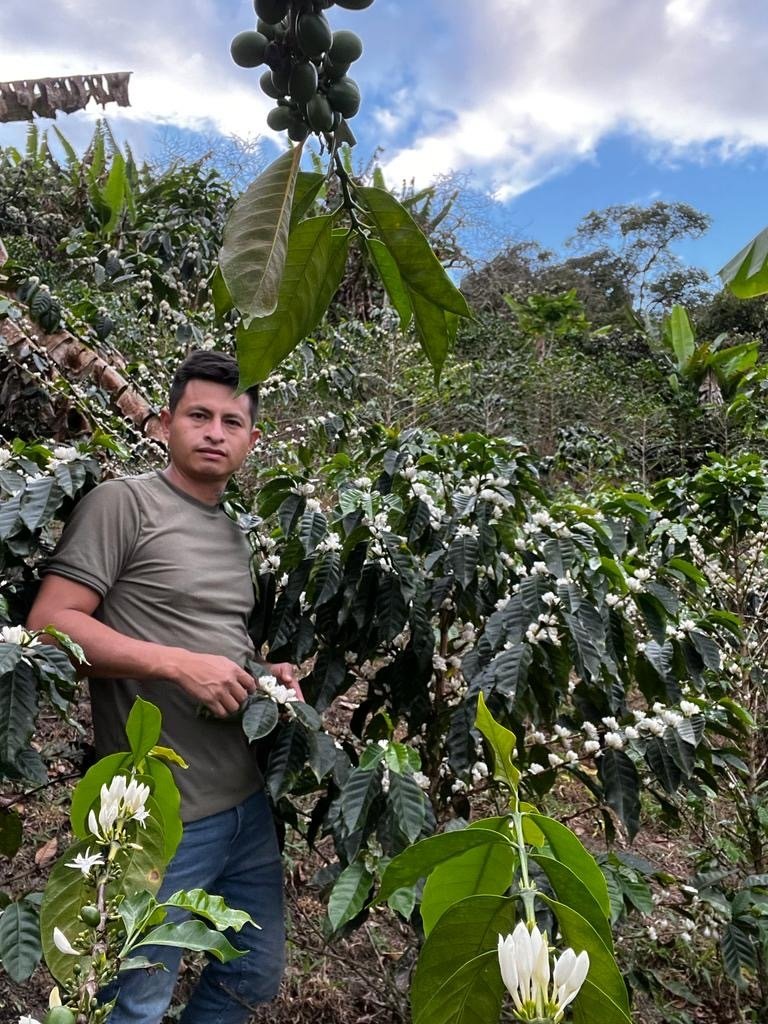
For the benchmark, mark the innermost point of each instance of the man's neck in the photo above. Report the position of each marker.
(208, 493)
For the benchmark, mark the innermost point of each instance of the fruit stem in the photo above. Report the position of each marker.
(346, 187)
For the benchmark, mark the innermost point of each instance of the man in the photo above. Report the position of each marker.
(152, 578)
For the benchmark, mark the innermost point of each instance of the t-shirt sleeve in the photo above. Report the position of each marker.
(98, 539)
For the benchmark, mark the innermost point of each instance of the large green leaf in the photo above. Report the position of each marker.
(20, 949)
(349, 894)
(309, 185)
(738, 953)
(678, 333)
(313, 271)
(167, 800)
(418, 860)
(393, 283)
(11, 833)
(604, 975)
(746, 275)
(462, 556)
(464, 932)
(41, 499)
(286, 760)
(143, 728)
(212, 908)
(253, 252)
(194, 935)
(260, 717)
(433, 330)
(481, 871)
(474, 994)
(113, 193)
(572, 890)
(18, 707)
(358, 794)
(502, 743)
(419, 267)
(621, 784)
(569, 850)
(407, 802)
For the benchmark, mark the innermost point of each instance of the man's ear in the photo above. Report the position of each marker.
(165, 422)
(255, 435)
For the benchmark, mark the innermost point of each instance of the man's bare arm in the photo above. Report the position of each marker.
(213, 680)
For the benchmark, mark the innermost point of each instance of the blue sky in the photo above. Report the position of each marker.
(547, 108)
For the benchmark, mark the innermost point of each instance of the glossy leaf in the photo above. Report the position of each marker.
(349, 894)
(260, 717)
(482, 870)
(18, 707)
(286, 760)
(604, 974)
(68, 890)
(678, 333)
(622, 788)
(569, 850)
(393, 283)
(569, 888)
(407, 802)
(746, 275)
(358, 794)
(314, 268)
(451, 970)
(20, 949)
(502, 743)
(212, 908)
(255, 244)
(418, 860)
(309, 185)
(143, 728)
(195, 936)
(419, 267)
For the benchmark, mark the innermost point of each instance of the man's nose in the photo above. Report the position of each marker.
(214, 429)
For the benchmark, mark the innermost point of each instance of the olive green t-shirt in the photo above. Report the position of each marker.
(169, 570)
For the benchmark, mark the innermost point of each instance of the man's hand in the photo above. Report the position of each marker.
(286, 674)
(218, 683)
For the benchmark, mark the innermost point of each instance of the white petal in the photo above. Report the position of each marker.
(62, 943)
(93, 825)
(570, 988)
(564, 966)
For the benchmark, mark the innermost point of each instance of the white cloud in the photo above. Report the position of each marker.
(546, 80)
(512, 91)
(178, 51)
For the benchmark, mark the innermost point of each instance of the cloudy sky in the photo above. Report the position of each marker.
(552, 108)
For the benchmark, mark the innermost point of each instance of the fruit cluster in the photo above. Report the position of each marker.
(307, 64)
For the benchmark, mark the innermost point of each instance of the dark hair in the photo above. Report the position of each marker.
(215, 366)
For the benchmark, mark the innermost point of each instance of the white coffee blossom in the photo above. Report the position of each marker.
(62, 943)
(610, 723)
(614, 740)
(536, 769)
(591, 747)
(18, 635)
(688, 708)
(85, 862)
(631, 733)
(276, 691)
(555, 760)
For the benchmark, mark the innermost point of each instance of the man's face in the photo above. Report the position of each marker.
(209, 433)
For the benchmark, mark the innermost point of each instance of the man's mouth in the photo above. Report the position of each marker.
(212, 451)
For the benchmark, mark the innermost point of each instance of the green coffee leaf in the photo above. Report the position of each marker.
(193, 935)
(457, 977)
(568, 849)
(419, 267)
(20, 949)
(143, 728)
(482, 870)
(212, 908)
(419, 860)
(349, 894)
(502, 743)
(314, 268)
(253, 252)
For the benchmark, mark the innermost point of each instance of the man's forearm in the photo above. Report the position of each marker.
(112, 654)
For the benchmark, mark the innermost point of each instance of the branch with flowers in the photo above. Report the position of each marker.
(99, 907)
(511, 902)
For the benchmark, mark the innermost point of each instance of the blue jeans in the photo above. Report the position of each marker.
(233, 854)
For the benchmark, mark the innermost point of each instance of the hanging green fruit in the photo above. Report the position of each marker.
(271, 11)
(344, 96)
(345, 48)
(248, 49)
(314, 34)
